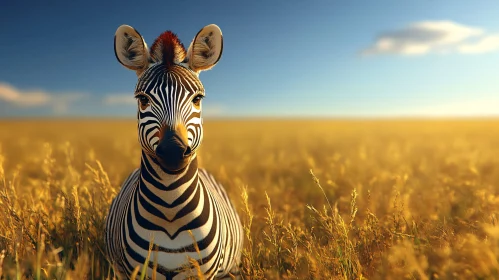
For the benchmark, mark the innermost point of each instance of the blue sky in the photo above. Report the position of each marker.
(281, 58)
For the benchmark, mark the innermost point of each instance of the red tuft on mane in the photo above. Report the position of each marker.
(168, 49)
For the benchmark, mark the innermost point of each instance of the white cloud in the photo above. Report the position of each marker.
(37, 98)
(434, 37)
(119, 99)
(486, 44)
(28, 98)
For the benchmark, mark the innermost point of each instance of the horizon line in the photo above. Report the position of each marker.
(263, 117)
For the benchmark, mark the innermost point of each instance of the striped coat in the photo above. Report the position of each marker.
(169, 202)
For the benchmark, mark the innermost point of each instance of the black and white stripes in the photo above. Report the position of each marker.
(169, 201)
(171, 92)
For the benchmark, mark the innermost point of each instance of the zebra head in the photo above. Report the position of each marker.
(168, 90)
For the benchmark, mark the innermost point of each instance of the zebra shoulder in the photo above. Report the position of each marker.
(128, 183)
(207, 177)
(132, 178)
(212, 183)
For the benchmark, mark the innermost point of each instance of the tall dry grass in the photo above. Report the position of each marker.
(318, 199)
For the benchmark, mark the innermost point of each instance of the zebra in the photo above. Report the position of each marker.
(169, 202)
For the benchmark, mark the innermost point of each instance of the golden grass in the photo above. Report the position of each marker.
(318, 199)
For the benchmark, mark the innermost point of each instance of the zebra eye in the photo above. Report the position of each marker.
(144, 101)
(197, 99)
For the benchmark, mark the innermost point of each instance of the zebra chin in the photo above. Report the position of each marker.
(173, 167)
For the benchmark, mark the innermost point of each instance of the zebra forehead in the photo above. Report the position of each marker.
(160, 75)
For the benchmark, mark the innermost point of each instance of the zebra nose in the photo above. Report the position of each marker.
(171, 148)
(187, 151)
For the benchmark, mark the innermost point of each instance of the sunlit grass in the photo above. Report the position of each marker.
(318, 199)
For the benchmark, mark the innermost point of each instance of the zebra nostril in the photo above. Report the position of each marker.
(188, 151)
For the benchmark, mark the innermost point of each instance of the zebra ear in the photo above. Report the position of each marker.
(206, 49)
(130, 49)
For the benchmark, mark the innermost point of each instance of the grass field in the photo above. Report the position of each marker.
(319, 199)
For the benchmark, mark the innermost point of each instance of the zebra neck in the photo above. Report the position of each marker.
(169, 202)
(166, 189)
(154, 175)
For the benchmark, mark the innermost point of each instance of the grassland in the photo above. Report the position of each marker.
(319, 199)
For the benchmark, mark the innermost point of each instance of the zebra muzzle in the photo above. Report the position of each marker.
(173, 152)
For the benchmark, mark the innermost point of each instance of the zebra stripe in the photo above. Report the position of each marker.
(175, 209)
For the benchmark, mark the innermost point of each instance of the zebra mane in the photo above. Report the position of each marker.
(168, 49)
